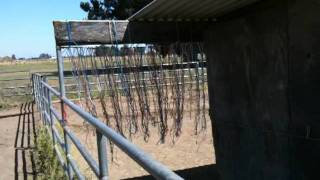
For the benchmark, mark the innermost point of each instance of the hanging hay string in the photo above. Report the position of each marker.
(203, 80)
(139, 86)
(75, 75)
(186, 53)
(132, 124)
(198, 96)
(124, 86)
(80, 65)
(156, 80)
(116, 100)
(129, 61)
(180, 96)
(141, 91)
(129, 93)
(85, 55)
(103, 90)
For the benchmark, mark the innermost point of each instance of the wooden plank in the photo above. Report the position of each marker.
(247, 83)
(110, 32)
(88, 32)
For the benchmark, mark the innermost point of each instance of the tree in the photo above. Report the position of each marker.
(112, 9)
(13, 57)
(44, 56)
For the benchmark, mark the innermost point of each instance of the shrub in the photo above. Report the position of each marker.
(47, 164)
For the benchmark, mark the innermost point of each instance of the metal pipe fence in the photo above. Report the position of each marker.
(119, 85)
(43, 92)
(20, 86)
(15, 83)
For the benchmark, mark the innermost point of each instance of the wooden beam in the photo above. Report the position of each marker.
(88, 32)
(109, 32)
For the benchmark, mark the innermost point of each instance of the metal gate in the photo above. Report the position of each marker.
(43, 94)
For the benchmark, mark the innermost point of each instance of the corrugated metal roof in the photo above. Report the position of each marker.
(175, 10)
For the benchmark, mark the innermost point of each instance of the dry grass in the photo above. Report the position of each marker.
(21, 69)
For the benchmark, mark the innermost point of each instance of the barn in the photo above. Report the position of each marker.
(263, 75)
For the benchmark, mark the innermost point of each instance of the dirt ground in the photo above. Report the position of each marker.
(17, 132)
(17, 135)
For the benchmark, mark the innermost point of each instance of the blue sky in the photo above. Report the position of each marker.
(26, 25)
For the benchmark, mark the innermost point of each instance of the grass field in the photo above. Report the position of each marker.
(32, 66)
(15, 75)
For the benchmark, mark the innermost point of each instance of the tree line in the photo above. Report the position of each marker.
(112, 9)
(13, 57)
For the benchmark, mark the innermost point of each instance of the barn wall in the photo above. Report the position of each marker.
(263, 72)
(304, 69)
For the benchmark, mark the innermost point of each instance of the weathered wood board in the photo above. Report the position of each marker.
(89, 32)
(111, 32)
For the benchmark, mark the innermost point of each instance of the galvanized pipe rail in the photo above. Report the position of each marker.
(143, 68)
(21, 89)
(43, 97)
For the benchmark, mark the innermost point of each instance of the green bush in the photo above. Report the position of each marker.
(47, 163)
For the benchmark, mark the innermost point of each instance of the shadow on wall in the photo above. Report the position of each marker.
(207, 172)
(25, 167)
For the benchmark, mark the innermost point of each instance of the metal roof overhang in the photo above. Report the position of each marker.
(161, 21)
(187, 10)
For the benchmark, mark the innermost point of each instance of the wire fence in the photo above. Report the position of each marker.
(15, 84)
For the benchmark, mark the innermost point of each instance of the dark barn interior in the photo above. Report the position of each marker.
(263, 63)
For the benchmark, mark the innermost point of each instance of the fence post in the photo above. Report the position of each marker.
(45, 100)
(36, 90)
(102, 155)
(32, 83)
(62, 94)
(42, 101)
(51, 120)
(42, 96)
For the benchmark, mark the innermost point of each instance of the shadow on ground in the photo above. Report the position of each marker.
(196, 173)
(24, 143)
